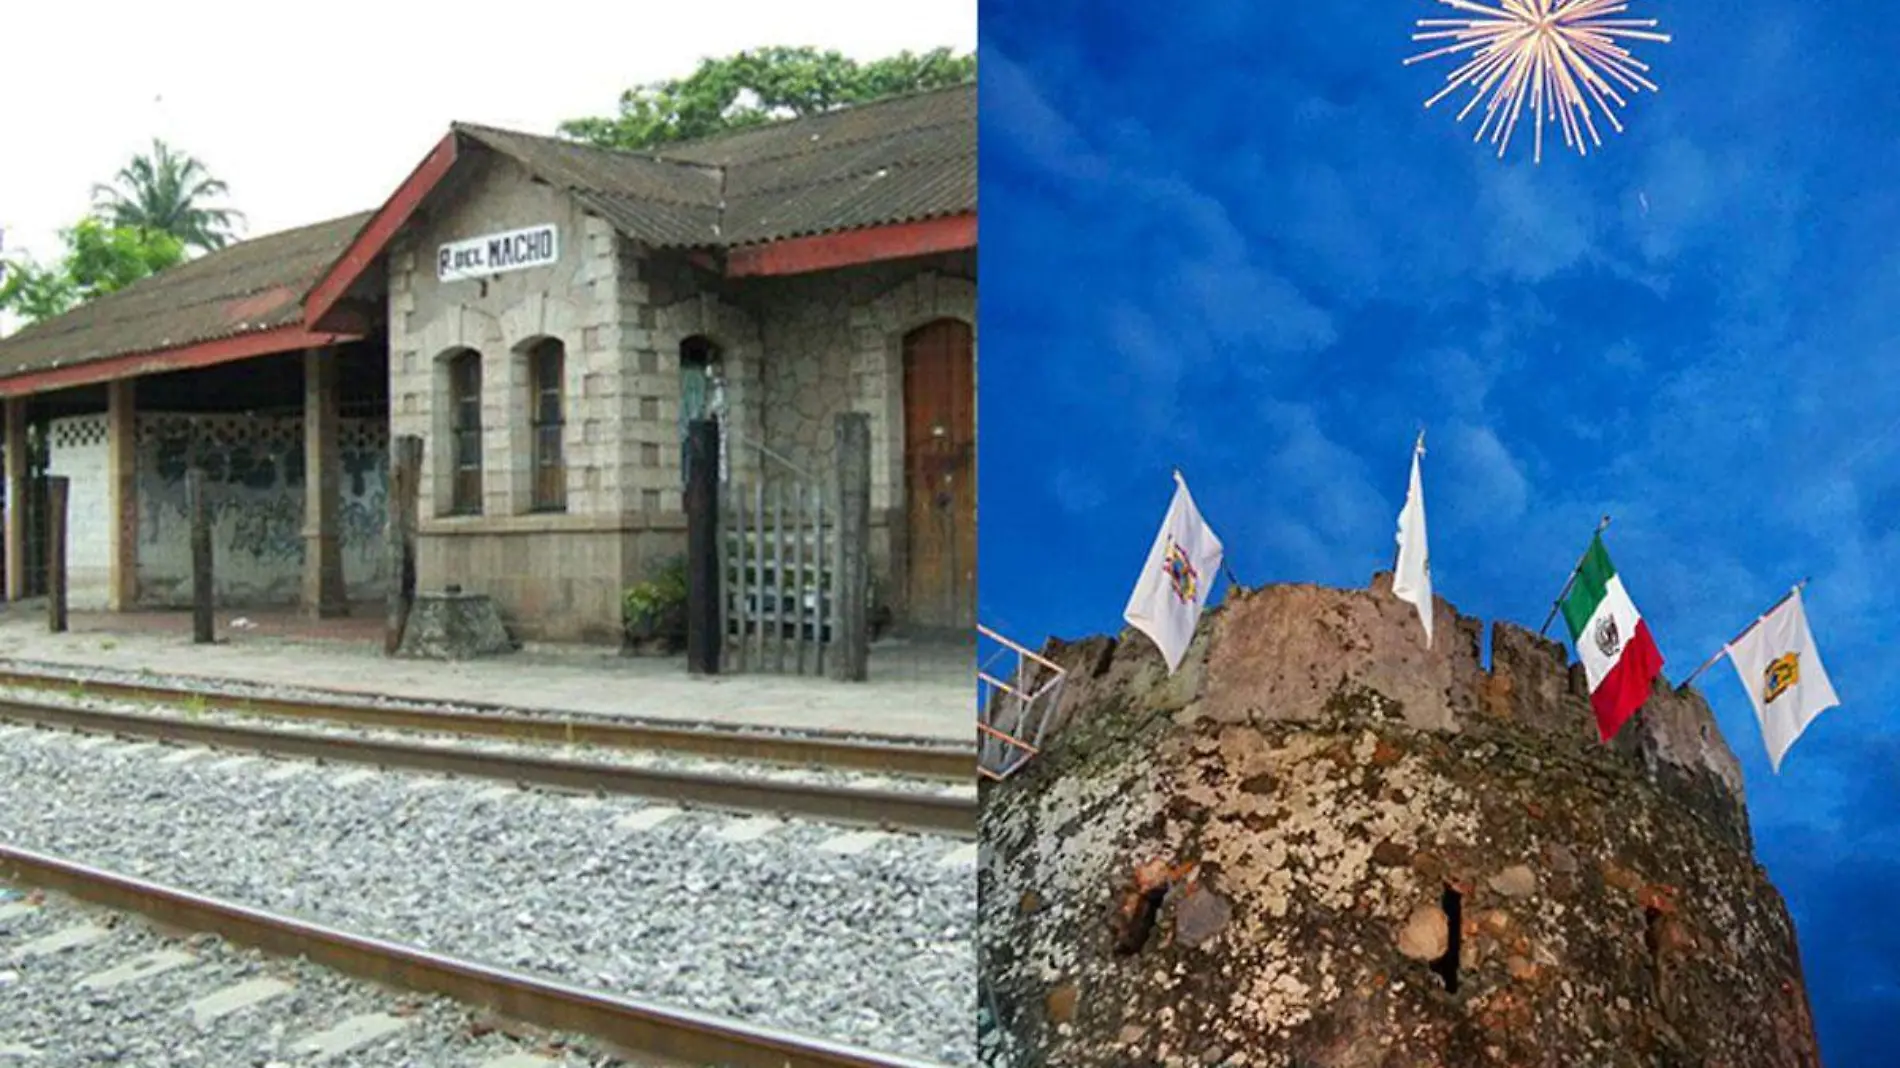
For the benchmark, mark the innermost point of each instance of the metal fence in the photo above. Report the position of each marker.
(778, 545)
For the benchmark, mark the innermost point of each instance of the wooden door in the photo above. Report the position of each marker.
(940, 474)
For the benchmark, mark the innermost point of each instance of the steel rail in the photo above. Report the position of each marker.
(953, 762)
(933, 813)
(678, 1038)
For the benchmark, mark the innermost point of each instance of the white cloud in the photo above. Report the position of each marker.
(1490, 481)
(321, 116)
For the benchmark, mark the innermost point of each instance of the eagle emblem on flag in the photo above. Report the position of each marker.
(1607, 639)
(1782, 675)
(1183, 579)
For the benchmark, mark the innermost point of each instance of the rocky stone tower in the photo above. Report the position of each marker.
(1321, 845)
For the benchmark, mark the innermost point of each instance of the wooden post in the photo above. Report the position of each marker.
(702, 547)
(853, 576)
(122, 493)
(399, 531)
(203, 600)
(18, 514)
(56, 490)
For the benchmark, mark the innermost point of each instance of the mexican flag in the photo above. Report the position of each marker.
(1619, 655)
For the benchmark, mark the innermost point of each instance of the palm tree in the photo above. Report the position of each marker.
(166, 191)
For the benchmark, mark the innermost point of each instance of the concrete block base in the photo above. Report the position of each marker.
(453, 625)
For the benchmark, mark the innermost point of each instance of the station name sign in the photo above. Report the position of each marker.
(516, 250)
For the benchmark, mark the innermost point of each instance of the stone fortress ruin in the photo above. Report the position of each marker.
(1322, 845)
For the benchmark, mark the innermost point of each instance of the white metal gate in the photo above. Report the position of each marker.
(779, 559)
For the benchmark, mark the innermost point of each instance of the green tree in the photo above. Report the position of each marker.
(759, 86)
(99, 259)
(166, 191)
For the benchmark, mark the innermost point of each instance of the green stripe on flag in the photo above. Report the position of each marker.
(1593, 581)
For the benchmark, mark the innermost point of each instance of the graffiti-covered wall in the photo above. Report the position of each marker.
(254, 474)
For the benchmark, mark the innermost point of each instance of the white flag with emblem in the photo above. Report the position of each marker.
(1782, 672)
(1167, 602)
(1412, 576)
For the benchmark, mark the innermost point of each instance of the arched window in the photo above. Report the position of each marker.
(465, 431)
(699, 358)
(546, 365)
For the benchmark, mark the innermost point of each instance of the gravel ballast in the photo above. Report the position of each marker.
(872, 948)
(48, 1018)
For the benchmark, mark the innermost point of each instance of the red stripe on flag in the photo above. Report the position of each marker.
(1626, 687)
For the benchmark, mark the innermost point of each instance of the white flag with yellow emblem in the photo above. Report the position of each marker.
(1167, 602)
(1782, 672)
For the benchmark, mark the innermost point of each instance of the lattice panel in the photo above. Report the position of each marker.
(274, 436)
(80, 433)
(224, 431)
(363, 435)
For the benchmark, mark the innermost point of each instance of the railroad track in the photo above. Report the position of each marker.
(871, 754)
(650, 1034)
(929, 812)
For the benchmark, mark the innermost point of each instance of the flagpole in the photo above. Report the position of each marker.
(1720, 653)
(1571, 581)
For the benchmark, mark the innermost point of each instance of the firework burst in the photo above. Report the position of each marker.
(1562, 58)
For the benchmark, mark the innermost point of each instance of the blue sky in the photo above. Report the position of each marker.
(1231, 238)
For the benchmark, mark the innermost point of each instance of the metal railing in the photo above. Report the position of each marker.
(1018, 694)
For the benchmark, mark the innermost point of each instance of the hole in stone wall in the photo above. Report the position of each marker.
(1141, 923)
(1446, 967)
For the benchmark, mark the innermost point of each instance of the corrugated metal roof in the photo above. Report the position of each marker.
(894, 161)
(251, 286)
(899, 160)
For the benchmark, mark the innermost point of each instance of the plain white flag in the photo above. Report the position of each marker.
(1412, 577)
(1174, 584)
(1782, 672)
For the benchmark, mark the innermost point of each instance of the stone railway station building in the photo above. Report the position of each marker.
(547, 317)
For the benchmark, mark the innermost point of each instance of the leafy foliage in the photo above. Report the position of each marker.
(100, 259)
(166, 191)
(761, 86)
(653, 598)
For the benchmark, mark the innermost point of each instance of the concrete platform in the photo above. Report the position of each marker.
(925, 691)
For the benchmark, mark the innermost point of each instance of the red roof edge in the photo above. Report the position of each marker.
(289, 338)
(798, 255)
(377, 233)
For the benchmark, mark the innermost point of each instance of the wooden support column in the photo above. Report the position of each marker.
(405, 484)
(15, 430)
(122, 493)
(323, 590)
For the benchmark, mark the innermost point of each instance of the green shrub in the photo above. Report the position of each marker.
(664, 590)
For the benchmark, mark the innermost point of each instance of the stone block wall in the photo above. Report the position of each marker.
(76, 449)
(796, 352)
(552, 580)
(254, 472)
(554, 575)
(833, 343)
(576, 301)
